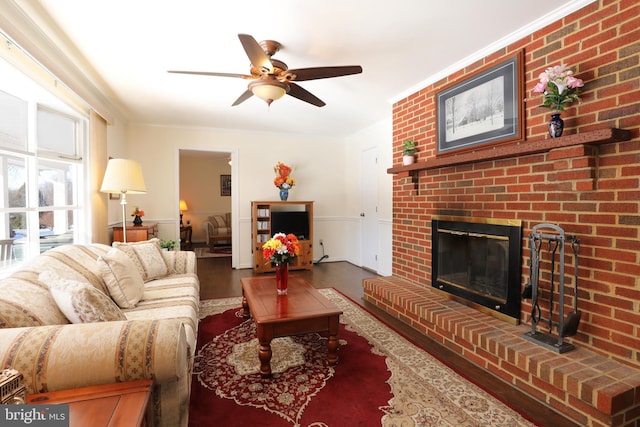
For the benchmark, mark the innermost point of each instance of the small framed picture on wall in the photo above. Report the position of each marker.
(225, 185)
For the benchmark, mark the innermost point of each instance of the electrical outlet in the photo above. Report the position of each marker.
(321, 242)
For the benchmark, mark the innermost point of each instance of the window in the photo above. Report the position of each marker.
(13, 122)
(41, 143)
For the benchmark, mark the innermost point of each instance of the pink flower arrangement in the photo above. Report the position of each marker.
(558, 86)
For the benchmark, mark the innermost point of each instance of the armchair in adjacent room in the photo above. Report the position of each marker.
(218, 229)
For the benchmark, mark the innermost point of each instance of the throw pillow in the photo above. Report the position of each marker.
(147, 257)
(81, 302)
(122, 278)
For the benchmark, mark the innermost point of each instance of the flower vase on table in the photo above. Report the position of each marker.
(279, 251)
(284, 194)
(282, 277)
(137, 220)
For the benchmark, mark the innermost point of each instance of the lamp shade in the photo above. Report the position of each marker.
(123, 176)
(183, 206)
(269, 90)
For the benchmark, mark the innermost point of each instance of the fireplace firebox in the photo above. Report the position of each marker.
(478, 261)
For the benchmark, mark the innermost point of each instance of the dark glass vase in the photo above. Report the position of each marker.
(282, 277)
(556, 126)
(284, 194)
(137, 220)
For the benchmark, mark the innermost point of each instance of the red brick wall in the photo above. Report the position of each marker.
(590, 191)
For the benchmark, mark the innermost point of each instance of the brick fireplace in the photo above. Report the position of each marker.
(587, 182)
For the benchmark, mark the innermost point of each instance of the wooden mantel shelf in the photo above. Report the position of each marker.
(601, 136)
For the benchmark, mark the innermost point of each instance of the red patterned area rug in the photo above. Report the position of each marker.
(381, 378)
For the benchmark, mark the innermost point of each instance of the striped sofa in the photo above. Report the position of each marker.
(155, 339)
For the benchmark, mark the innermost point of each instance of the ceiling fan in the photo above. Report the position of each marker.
(271, 79)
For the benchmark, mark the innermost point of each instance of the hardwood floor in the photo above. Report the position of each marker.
(219, 280)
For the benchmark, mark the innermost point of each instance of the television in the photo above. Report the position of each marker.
(291, 222)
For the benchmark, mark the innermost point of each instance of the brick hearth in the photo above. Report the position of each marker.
(586, 387)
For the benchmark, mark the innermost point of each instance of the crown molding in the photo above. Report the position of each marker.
(26, 27)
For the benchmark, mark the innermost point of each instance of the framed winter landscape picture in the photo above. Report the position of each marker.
(484, 109)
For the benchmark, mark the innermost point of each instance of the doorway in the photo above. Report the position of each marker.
(206, 185)
(369, 209)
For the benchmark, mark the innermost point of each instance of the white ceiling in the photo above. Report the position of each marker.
(402, 45)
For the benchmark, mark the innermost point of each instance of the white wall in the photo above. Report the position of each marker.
(325, 170)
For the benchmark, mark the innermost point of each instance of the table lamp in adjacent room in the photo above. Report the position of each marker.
(183, 207)
(123, 176)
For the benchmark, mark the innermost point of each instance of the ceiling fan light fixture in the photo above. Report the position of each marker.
(272, 79)
(269, 91)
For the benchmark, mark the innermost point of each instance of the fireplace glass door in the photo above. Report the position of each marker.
(476, 262)
(479, 261)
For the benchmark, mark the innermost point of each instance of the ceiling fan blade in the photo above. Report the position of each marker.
(258, 58)
(304, 95)
(246, 95)
(208, 73)
(302, 74)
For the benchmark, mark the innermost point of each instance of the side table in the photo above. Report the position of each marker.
(113, 405)
(185, 238)
(136, 233)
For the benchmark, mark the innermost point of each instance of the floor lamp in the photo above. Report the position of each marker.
(123, 176)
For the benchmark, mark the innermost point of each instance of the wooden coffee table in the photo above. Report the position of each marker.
(302, 310)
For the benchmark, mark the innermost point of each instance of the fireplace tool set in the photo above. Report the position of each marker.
(565, 327)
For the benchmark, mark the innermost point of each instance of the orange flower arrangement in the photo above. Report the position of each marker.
(138, 212)
(282, 180)
(281, 248)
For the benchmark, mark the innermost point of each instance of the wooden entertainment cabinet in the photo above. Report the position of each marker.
(261, 231)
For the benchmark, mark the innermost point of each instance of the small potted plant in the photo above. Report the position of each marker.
(409, 151)
(168, 245)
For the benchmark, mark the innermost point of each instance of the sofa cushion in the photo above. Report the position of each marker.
(77, 262)
(122, 278)
(147, 256)
(218, 220)
(180, 262)
(173, 297)
(81, 302)
(26, 301)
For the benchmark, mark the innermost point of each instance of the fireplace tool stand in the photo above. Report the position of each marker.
(564, 326)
